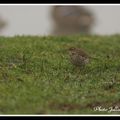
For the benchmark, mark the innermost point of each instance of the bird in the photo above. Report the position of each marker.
(79, 57)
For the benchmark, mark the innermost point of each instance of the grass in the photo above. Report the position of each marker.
(36, 76)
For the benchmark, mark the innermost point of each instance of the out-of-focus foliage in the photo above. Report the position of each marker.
(3, 24)
(72, 20)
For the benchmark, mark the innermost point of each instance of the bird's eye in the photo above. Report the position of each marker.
(73, 53)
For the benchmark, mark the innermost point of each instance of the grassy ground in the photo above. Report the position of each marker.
(36, 76)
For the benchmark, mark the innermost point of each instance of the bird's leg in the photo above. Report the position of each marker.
(78, 70)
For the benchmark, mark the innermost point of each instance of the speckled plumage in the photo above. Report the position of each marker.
(78, 57)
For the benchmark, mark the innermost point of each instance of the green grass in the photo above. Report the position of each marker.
(36, 76)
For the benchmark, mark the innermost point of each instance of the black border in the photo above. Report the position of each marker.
(58, 2)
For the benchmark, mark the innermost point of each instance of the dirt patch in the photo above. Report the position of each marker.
(64, 106)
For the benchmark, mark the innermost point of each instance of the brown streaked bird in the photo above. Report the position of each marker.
(78, 57)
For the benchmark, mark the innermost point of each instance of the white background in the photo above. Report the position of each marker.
(36, 19)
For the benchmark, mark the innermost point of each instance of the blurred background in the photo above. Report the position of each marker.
(59, 20)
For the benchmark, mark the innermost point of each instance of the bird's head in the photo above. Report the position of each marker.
(72, 50)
